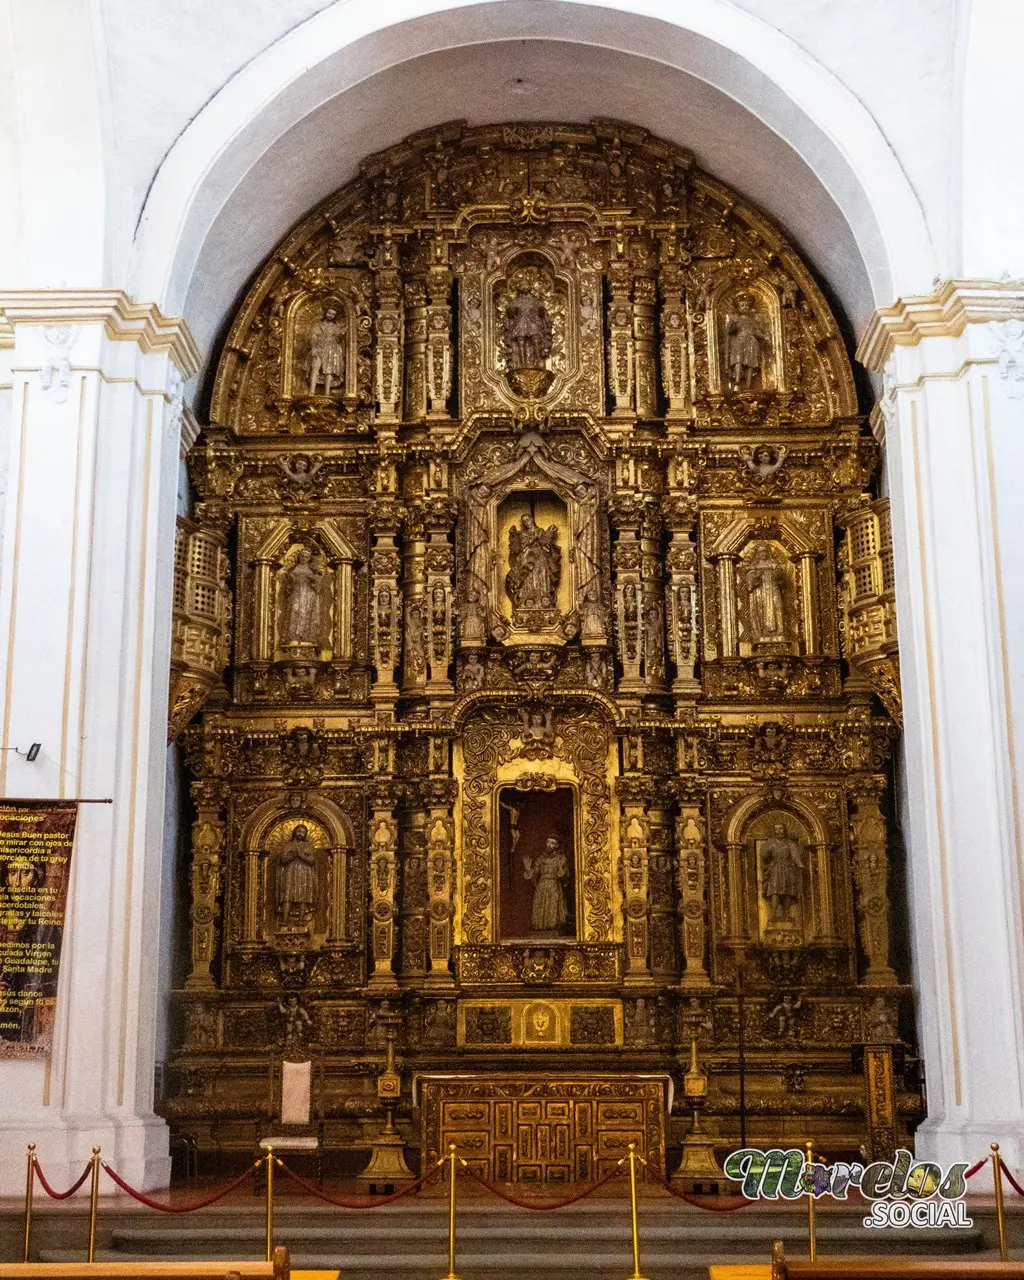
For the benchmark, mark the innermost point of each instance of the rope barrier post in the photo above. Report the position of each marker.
(812, 1239)
(997, 1174)
(451, 1213)
(632, 1209)
(270, 1204)
(30, 1179)
(94, 1200)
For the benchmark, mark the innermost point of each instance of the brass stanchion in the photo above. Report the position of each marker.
(94, 1200)
(451, 1213)
(270, 1204)
(30, 1180)
(632, 1209)
(812, 1241)
(997, 1174)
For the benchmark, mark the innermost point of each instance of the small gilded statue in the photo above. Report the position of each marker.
(548, 871)
(745, 343)
(765, 602)
(528, 333)
(535, 565)
(326, 352)
(300, 619)
(296, 878)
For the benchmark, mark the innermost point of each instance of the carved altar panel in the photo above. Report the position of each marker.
(527, 455)
(541, 1133)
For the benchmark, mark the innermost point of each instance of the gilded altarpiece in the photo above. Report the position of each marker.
(531, 747)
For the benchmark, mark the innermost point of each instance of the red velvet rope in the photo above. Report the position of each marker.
(178, 1208)
(541, 1205)
(359, 1202)
(1011, 1179)
(59, 1195)
(697, 1201)
(976, 1168)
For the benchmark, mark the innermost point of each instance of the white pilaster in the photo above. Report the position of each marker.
(85, 605)
(954, 430)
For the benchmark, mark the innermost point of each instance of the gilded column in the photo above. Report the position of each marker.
(635, 842)
(386, 600)
(681, 563)
(871, 878)
(387, 367)
(675, 355)
(440, 844)
(414, 895)
(653, 596)
(627, 562)
(809, 602)
(621, 343)
(440, 566)
(691, 851)
(661, 881)
(383, 886)
(729, 631)
(204, 881)
(645, 292)
(415, 350)
(414, 660)
(439, 357)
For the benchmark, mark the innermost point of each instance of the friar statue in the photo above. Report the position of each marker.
(549, 871)
(535, 565)
(326, 352)
(782, 867)
(300, 618)
(296, 878)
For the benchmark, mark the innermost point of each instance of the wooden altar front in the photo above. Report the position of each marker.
(543, 1132)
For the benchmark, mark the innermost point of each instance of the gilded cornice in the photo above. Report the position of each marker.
(944, 313)
(123, 320)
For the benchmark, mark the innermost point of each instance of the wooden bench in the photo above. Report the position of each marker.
(780, 1268)
(278, 1269)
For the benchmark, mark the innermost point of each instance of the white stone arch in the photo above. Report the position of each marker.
(196, 226)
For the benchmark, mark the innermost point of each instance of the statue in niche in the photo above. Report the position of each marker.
(653, 650)
(472, 619)
(745, 346)
(765, 602)
(535, 561)
(326, 352)
(528, 334)
(586, 551)
(593, 616)
(473, 673)
(300, 619)
(548, 871)
(296, 879)
(782, 867)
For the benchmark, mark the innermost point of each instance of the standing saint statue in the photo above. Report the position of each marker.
(765, 603)
(586, 551)
(528, 333)
(782, 867)
(535, 565)
(745, 340)
(300, 616)
(326, 352)
(549, 871)
(296, 878)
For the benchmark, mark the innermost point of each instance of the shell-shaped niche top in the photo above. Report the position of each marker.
(530, 271)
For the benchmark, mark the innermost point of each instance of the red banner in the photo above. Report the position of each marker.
(36, 838)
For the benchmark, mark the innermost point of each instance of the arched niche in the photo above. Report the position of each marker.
(268, 840)
(779, 878)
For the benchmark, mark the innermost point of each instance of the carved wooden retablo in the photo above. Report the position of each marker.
(507, 658)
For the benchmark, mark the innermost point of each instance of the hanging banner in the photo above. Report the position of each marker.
(35, 864)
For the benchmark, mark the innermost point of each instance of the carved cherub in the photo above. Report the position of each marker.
(302, 469)
(538, 733)
(763, 461)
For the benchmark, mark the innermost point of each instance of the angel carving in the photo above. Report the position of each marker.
(538, 732)
(302, 469)
(763, 461)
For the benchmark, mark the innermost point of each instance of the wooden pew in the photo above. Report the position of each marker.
(224, 1269)
(780, 1268)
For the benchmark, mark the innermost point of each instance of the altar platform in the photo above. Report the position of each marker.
(586, 1241)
